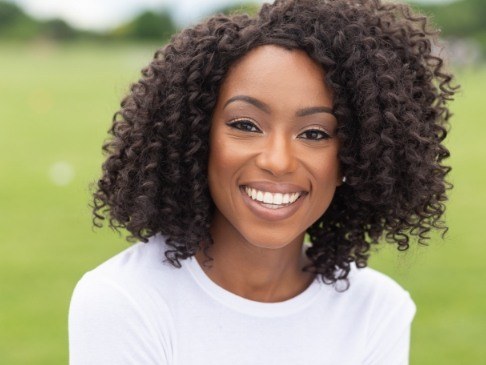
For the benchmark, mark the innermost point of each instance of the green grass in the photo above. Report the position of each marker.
(56, 104)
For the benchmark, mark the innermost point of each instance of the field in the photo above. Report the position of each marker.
(56, 105)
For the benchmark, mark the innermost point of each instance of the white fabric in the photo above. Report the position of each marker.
(137, 309)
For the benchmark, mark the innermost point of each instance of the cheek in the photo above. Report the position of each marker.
(328, 173)
(220, 157)
(326, 178)
(225, 159)
(324, 166)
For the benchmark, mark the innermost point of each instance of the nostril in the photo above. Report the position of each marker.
(277, 163)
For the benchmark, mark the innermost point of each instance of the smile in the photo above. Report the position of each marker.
(272, 206)
(272, 200)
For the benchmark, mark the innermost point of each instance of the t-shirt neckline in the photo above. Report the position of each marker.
(251, 307)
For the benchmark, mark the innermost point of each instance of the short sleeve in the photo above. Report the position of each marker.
(389, 339)
(108, 326)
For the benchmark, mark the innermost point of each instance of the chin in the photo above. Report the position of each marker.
(272, 241)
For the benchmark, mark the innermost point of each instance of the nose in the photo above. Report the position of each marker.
(277, 155)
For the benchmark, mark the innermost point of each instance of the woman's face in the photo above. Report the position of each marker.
(273, 163)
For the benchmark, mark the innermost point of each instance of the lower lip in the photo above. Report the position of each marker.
(270, 214)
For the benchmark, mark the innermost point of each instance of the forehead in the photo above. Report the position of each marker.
(273, 73)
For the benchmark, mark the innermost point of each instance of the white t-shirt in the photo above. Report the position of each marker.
(137, 309)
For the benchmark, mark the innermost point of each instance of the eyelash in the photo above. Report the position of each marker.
(238, 123)
(324, 135)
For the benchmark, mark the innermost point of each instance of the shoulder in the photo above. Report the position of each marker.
(377, 286)
(136, 276)
(142, 264)
(378, 293)
(119, 310)
(388, 307)
(389, 314)
(139, 258)
(381, 311)
(374, 299)
(370, 282)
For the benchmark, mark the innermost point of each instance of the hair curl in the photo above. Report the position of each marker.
(390, 95)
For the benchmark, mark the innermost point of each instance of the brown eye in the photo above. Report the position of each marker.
(315, 135)
(244, 125)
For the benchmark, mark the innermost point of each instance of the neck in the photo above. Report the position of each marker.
(256, 273)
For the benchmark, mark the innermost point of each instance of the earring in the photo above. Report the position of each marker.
(344, 179)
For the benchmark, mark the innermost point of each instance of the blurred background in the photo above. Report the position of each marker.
(64, 67)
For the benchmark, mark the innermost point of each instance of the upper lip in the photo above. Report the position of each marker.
(283, 188)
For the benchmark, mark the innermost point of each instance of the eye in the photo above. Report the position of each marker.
(315, 135)
(245, 125)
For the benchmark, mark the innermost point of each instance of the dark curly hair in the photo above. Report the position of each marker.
(390, 94)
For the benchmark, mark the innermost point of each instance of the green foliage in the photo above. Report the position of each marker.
(58, 29)
(15, 24)
(147, 26)
(250, 9)
(9, 14)
(463, 18)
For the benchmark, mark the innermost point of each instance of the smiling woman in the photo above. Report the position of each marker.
(272, 138)
(244, 135)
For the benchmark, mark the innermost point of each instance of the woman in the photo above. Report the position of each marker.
(244, 135)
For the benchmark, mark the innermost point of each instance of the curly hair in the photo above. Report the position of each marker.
(390, 94)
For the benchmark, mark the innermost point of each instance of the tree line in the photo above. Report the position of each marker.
(463, 18)
(15, 24)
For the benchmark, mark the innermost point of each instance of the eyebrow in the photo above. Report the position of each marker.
(313, 110)
(264, 107)
(248, 99)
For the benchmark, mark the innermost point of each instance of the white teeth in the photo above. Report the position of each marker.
(272, 198)
(286, 199)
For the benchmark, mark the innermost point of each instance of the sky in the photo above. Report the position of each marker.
(105, 14)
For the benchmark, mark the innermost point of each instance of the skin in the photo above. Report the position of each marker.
(272, 123)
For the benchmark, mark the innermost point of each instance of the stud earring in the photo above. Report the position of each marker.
(344, 179)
